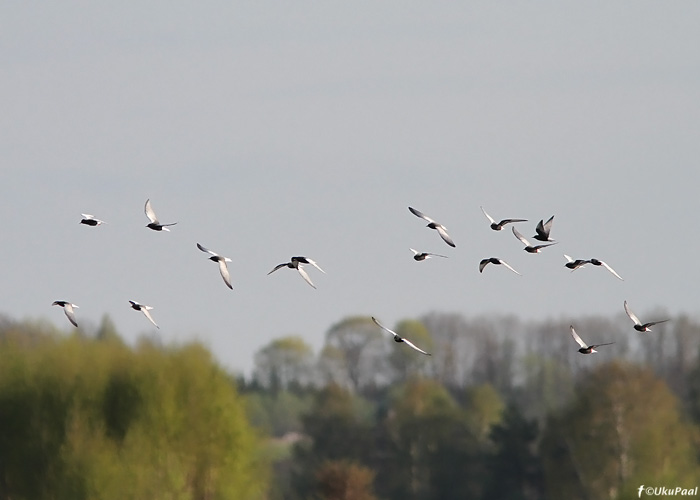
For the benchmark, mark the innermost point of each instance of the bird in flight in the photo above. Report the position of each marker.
(68, 309)
(638, 325)
(497, 261)
(497, 226)
(155, 224)
(597, 262)
(425, 255)
(585, 349)
(529, 248)
(543, 228)
(144, 309)
(442, 230)
(297, 263)
(398, 338)
(221, 260)
(91, 220)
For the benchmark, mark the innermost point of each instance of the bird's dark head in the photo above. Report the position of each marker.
(397, 338)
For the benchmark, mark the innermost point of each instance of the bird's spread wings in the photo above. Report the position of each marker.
(577, 338)
(420, 214)
(632, 316)
(392, 332)
(543, 228)
(443, 233)
(150, 213)
(70, 313)
(396, 335)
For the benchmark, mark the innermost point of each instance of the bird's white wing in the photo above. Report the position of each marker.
(443, 233)
(305, 276)
(313, 263)
(206, 250)
(150, 213)
(410, 344)
(420, 214)
(520, 237)
(487, 215)
(611, 270)
(508, 266)
(70, 313)
(577, 338)
(392, 332)
(223, 268)
(632, 316)
(88, 216)
(568, 259)
(144, 310)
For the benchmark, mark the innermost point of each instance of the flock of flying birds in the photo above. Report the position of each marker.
(542, 231)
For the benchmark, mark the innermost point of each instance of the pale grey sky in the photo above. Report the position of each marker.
(268, 130)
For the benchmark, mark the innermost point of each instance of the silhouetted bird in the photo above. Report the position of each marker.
(68, 309)
(221, 260)
(91, 220)
(425, 255)
(398, 338)
(155, 224)
(497, 226)
(144, 309)
(543, 228)
(638, 325)
(442, 230)
(497, 261)
(529, 248)
(296, 263)
(585, 349)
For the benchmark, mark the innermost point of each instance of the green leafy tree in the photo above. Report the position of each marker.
(285, 362)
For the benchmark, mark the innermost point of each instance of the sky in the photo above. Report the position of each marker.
(267, 130)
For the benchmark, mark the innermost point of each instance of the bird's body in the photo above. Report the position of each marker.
(543, 229)
(575, 264)
(529, 248)
(144, 309)
(419, 256)
(497, 226)
(585, 349)
(91, 220)
(221, 260)
(297, 263)
(597, 262)
(155, 223)
(638, 325)
(398, 338)
(442, 230)
(68, 309)
(496, 261)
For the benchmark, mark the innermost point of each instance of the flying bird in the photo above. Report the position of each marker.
(497, 226)
(155, 224)
(398, 338)
(497, 261)
(425, 255)
(91, 220)
(529, 248)
(144, 309)
(297, 263)
(575, 264)
(585, 349)
(221, 260)
(442, 230)
(638, 325)
(68, 309)
(543, 228)
(597, 262)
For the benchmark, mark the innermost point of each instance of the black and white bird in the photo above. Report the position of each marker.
(575, 264)
(68, 308)
(529, 248)
(597, 262)
(497, 261)
(497, 226)
(221, 260)
(442, 230)
(585, 349)
(144, 309)
(398, 338)
(638, 325)
(91, 220)
(297, 263)
(155, 224)
(543, 228)
(425, 255)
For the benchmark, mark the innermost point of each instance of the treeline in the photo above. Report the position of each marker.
(92, 418)
(502, 409)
